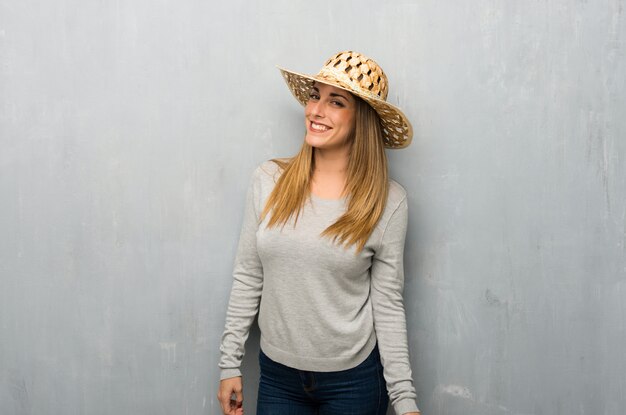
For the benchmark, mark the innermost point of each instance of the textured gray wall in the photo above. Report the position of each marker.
(128, 133)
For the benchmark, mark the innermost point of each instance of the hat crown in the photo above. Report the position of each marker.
(357, 72)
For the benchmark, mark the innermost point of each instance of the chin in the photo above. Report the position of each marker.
(314, 141)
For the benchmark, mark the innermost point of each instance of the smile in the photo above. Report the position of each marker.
(319, 127)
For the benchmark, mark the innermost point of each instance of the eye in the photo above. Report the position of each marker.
(337, 103)
(313, 95)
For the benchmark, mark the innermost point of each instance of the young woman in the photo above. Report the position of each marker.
(320, 258)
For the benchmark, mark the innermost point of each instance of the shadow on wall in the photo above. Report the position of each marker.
(250, 369)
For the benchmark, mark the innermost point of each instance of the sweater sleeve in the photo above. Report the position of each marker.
(246, 288)
(387, 285)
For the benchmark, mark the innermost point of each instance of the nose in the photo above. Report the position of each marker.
(315, 109)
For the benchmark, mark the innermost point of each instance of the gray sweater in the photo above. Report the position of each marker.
(321, 308)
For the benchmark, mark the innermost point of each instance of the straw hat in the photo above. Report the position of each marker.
(358, 74)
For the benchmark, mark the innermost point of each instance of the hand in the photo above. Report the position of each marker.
(224, 395)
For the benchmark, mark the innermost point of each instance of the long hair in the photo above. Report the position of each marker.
(366, 189)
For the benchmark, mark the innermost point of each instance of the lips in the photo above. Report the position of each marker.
(318, 128)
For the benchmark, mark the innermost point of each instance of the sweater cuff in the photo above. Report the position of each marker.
(229, 373)
(405, 405)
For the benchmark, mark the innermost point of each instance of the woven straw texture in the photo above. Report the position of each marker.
(363, 77)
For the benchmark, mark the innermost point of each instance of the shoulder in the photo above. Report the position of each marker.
(267, 171)
(396, 207)
(397, 196)
(262, 181)
(394, 220)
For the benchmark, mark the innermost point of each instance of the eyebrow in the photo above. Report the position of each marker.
(333, 94)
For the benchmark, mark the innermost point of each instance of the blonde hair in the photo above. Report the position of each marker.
(366, 189)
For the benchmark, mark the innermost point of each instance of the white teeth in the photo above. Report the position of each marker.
(318, 127)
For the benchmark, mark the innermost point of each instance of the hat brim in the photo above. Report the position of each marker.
(396, 128)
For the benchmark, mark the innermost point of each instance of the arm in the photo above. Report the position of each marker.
(387, 285)
(244, 298)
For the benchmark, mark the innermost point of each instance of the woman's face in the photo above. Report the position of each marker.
(329, 116)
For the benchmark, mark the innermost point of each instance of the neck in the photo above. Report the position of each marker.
(330, 163)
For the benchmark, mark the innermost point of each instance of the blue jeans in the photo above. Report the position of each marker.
(287, 391)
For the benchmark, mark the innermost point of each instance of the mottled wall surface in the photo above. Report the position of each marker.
(128, 133)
